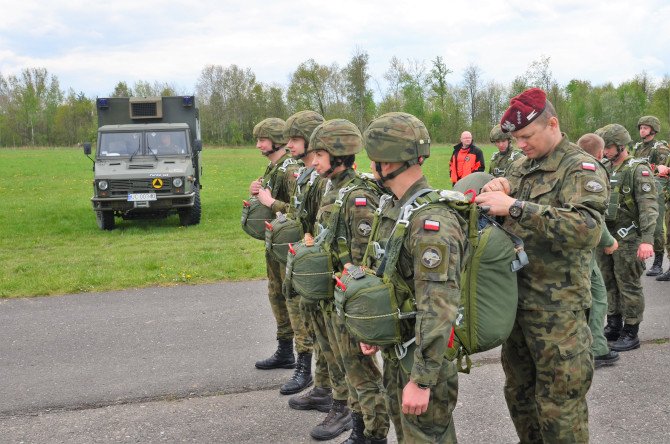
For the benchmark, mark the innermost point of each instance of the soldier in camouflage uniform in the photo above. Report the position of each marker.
(664, 172)
(632, 216)
(276, 184)
(297, 130)
(554, 200)
(336, 143)
(506, 154)
(656, 152)
(422, 387)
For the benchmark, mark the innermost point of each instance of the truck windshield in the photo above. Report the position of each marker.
(119, 144)
(165, 143)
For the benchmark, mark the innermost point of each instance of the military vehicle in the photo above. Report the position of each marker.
(147, 159)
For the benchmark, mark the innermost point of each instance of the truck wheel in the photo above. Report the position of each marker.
(191, 216)
(105, 219)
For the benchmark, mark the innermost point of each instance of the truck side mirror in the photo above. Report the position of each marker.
(197, 145)
(87, 148)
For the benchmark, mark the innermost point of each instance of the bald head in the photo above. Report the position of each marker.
(466, 138)
(592, 144)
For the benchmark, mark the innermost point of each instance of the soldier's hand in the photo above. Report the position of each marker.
(497, 184)
(255, 186)
(645, 251)
(663, 171)
(368, 350)
(415, 399)
(498, 202)
(265, 197)
(611, 249)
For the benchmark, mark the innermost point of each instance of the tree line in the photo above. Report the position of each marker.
(35, 111)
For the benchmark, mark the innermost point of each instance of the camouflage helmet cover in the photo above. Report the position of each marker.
(271, 128)
(396, 137)
(651, 121)
(302, 124)
(339, 137)
(497, 134)
(614, 134)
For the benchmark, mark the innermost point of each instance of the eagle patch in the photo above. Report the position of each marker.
(431, 258)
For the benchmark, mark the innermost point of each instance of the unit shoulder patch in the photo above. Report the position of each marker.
(431, 257)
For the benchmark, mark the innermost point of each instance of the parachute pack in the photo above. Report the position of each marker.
(378, 308)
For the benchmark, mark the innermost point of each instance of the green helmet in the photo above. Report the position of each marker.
(302, 124)
(397, 137)
(474, 181)
(271, 128)
(338, 137)
(651, 121)
(497, 134)
(614, 134)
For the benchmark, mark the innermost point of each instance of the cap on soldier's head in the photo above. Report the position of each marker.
(302, 124)
(523, 109)
(271, 128)
(497, 134)
(339, 137)
(397, 137)
(651, 121)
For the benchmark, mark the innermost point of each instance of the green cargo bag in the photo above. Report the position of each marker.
(309, 270)
(254, 216)
(279, 233)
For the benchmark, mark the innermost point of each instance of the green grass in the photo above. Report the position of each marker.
(50, 243)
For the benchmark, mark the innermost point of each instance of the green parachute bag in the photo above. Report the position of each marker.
(254, 217)
(279, 234)
(309, 270)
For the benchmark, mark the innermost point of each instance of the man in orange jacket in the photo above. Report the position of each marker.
(467, 158)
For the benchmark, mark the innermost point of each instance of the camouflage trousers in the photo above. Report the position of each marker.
(321, 376)
(597, 312)
(436, 425)
(363, 376)
(318, 322)
(659, 234)
(303, 340)
(667, 226)
(548, 368)
(622, 271)
(277, 299)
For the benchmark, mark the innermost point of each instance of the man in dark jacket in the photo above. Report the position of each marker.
(466, 159)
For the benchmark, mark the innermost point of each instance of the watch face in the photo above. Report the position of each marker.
(515, 210)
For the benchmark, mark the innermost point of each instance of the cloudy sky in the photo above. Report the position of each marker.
(91, 46)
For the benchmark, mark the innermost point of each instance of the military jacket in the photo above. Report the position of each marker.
(633, 185)
(656, 152)
(306, 197)
(565, 196)
(279, 178)
(357, 214)
(501, 161)
(430, 263)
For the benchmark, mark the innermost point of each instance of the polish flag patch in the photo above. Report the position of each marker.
(431, 225)
(645, 173)
(361, 201)
(588, 166)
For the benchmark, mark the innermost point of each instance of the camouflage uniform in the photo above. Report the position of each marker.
(436, 289)
(501, 161)
(363, 377)
(547, 358)
(599, 299)
(622, 270)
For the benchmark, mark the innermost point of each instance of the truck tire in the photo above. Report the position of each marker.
(105, 219)
(191, 216)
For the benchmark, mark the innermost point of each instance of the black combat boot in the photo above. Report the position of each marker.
(607, 359)
(319, 398)
(628, 339)
(337, 421)
(657, 267)
(357, 436)
(302, 376)
(613, 327)
(664, 277)
(282, 358)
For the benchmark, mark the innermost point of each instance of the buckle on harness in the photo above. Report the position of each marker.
(401, 349)
(623, 232)
(379, 251)
(522, 260)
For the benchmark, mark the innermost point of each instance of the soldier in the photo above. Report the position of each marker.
(656, 152)
(336, 143)
(275, 184)
(297, 131)
(554, 200)
(505, 155)
(664, 172)
(602, 355)
(632, 215)
(421, 396)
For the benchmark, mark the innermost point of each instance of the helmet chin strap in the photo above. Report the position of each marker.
(275, 148)
(334, 163)
(619, 150)
(395, 173)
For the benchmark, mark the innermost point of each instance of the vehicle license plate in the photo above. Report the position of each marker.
(137, 197)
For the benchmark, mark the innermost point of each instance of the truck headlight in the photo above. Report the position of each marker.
(177, 182)
(103, 185)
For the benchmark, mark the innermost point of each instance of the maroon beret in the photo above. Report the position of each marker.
(523, 109)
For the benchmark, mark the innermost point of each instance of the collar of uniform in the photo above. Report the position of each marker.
(342, 178)
(551, 161)
(416, 186)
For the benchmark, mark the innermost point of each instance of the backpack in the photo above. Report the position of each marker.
(378, 307)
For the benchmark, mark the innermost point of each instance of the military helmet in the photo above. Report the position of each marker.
(474, 181)
(614, 134)
(271, 128)
(497, 134)
(302, 124)
(396, 137)
(339, 137)
(651, 121)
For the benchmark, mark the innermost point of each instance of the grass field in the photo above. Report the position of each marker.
(50, 243)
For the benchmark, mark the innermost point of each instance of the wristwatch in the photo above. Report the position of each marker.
(423, 386)
(516, 210)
